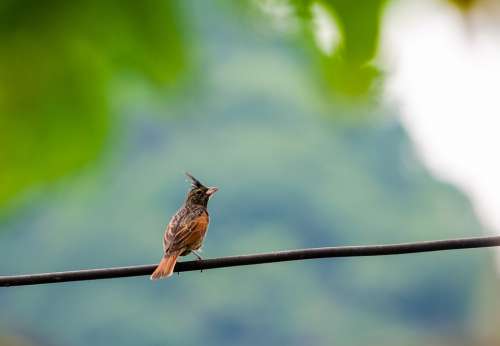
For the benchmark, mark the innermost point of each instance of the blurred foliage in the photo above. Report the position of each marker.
(464, 5)
(348, 69)
(58, 59)
(57, 64)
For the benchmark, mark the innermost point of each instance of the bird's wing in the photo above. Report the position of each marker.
(172, 227)
(190, 229)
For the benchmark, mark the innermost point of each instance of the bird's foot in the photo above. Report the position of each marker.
(199, 258)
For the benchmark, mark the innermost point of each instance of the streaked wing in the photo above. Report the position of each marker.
(172, 227)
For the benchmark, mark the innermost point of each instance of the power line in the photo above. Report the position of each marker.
(269, 257)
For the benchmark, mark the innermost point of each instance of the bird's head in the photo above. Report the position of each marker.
(199, 193)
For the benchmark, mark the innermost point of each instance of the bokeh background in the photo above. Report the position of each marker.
(300, 112)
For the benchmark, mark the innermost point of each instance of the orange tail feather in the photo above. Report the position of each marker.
(165, 268)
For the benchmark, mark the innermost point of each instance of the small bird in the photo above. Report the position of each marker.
(186, 230)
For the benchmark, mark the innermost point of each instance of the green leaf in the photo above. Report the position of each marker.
(57, 64)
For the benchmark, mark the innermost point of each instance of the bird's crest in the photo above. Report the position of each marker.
(195, 182)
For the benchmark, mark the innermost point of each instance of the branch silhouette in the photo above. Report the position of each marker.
(270, 257)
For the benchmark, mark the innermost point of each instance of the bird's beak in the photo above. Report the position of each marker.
(211, 191)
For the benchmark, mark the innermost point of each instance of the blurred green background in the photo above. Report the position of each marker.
(104, 105)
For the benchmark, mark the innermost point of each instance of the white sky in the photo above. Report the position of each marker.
(443, 71)
(444, 74)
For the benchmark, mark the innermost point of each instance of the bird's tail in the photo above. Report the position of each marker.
(165, 268)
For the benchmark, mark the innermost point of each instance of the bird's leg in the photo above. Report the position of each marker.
(199, 258)
(197, 255)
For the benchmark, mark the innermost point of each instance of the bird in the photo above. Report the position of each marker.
(187, 228)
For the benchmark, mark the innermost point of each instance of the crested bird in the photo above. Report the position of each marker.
(187, 228)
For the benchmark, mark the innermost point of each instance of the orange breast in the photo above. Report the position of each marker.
(195, 239)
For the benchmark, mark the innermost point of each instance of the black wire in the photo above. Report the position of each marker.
(270, 257)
